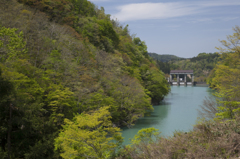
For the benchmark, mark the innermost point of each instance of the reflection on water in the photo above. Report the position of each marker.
(178, 111)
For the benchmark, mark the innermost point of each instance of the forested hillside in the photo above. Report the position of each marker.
(65, 62)
(202, 65)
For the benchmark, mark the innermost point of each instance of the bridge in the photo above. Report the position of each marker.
(183, 80)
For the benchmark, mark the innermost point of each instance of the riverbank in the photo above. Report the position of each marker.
(209, 139)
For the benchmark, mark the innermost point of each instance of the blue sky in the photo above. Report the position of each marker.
(178, 27)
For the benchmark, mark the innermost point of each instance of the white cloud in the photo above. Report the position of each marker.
(140, 11)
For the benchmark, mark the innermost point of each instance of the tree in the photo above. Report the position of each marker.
(131, 100)
(155, 83)
(89, 136)
(147, 135)
(226, 75)
(12, 45)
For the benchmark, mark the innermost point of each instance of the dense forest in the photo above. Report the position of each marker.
(70, 76)
(202, 64)
(217, 134)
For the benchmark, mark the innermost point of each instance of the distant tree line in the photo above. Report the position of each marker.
(164, 58)
(202, 64)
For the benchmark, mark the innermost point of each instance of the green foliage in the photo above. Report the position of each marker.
(106, 30)
(131, 101)
(96, 100)
(202, 64)
(83, 7)
(147, 135)
(153, 81)
(225, 78)
(59, 100)
(141, 46)
(59, 71)
(99, 32)
(210, 57)
(164, 66)
(63, 11)
(164, 58)
(22, 105)
(12, 45)
(89, 135)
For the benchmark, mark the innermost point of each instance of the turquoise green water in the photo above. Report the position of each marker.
(178, 111)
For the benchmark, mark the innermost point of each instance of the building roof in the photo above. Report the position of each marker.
(181, 71)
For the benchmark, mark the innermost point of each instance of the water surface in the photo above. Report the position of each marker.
(178, 111)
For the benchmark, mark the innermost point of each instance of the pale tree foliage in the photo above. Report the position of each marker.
(89, 136)
(225, 77)
(146, 136)
(12, 44)
(232, 42)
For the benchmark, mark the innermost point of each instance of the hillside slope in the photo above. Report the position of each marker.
(62, 58)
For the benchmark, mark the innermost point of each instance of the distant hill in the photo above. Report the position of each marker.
(164, 58)
(202, 64)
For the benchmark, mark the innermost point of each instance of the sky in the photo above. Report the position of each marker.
(183, 28)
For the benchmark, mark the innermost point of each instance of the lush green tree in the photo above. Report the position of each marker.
(89, 136)
(131, 100)
(12, 45)
(226, 75)
(153, 81)
(147, 135)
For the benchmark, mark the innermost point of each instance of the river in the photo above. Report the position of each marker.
(178, 111)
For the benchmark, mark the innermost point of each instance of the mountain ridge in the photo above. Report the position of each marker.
(164, 57)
